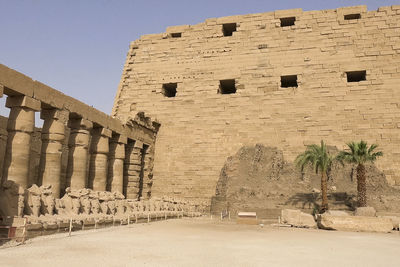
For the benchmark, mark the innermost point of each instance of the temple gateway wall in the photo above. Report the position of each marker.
(285, 79)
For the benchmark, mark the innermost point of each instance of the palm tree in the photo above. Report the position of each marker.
(321, 161)
(360, 154)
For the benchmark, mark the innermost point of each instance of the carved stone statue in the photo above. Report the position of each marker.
(11, 199)
(33, 201)
(48, 202)
(86, 205)
(94, 202)
(71, 201)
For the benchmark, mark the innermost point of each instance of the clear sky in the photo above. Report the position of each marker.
(79, 46)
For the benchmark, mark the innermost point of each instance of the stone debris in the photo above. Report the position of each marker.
(337, 213)
(355, 223)
(365, 211)
(297, 218)
(395, 221)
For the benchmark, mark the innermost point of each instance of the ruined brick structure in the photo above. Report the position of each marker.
(286, 79)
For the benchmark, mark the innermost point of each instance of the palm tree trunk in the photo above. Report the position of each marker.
(324, 192)
(361, 186)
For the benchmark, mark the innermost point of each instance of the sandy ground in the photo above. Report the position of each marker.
(202, 242)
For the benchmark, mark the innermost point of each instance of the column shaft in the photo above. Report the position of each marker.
(99, 159)
(132, 170)
(53, 135)
(147, 172)
(116, 164)
(78, 153)
(20, 126)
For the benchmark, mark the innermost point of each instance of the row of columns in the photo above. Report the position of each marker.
(97, 157)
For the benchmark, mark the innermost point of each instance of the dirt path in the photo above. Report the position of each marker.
(201, 242)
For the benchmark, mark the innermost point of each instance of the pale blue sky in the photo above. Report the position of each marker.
(79, 47)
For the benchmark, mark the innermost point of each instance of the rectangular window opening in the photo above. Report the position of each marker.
(227, 87)
(228, 28)
(352, 16)
(356, 76)
(289, 81)
(176, 35)
(286, 22)
(169, 89)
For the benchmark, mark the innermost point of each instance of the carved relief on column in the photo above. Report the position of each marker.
(99, 149)
(53, 137)
(20, 126)
(116, 163)
(78, 153)
(132, 170)
(148, 163)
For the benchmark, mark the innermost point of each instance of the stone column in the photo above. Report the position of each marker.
(116, 164)
(78, 153)
(99, 158)
(20, 126)
(3, 141)
(133, 169)
(147, 166)
(3, 145)
(53, 136)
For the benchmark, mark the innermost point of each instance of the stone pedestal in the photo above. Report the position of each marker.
(78, 153)
(133, 169)
(116, 163)
(20, 126)
(99, 159)
(53, 136)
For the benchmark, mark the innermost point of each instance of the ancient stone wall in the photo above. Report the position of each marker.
(298, 77)
(78, 146)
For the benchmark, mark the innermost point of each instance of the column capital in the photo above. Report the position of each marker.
(55, 113)
(101, 131)
(80, 123)
(23, 101)
(138, 144)
(120, 139)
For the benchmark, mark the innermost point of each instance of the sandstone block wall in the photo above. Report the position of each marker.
(201, 127)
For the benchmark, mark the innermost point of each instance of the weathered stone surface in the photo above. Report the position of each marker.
(202, 128)
(395, 221)
(297, 218)
(365, 211)
(11, 199)
(337, 213)
(33, 201)
(355, 223)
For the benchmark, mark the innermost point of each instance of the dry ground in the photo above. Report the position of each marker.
(202, 242)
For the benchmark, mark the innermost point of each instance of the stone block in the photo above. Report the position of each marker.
(355, 223)
(365, 211)
(23, 101)
(395, 221)
(337, 213)
(297, 218)
(288, 13)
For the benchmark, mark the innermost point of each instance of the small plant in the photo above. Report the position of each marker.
(359, 153)
(321, 161)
